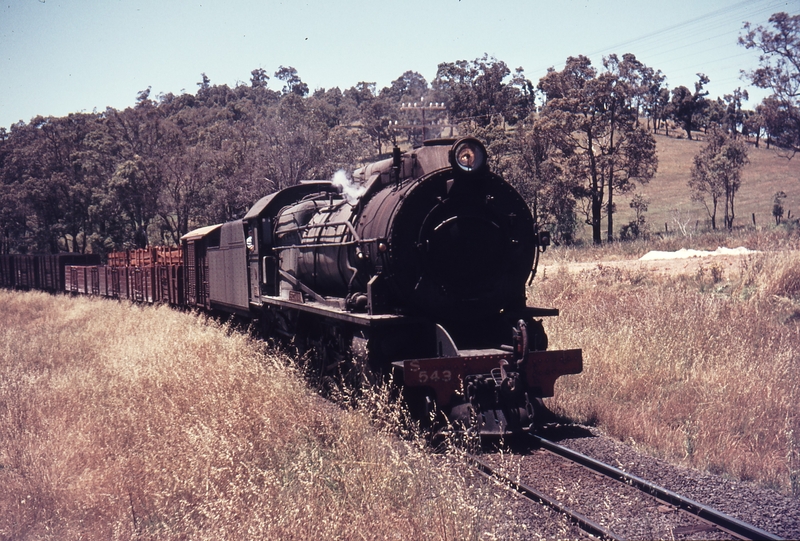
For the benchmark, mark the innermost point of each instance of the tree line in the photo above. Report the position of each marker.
(581, 136)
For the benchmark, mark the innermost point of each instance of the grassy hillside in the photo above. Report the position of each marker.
(766, 174)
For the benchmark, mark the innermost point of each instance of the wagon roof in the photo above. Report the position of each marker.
(200, 232)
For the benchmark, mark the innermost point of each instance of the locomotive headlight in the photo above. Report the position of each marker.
(468, 155)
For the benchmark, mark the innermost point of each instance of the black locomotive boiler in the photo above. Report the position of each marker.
(418, 266)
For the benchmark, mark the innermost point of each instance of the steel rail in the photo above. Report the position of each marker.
(727, 523)
(580, 520)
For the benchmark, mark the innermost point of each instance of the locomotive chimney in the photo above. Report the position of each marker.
(397, 161)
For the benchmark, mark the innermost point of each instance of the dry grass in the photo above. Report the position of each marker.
(696, 369)
(119, 421)
(762, 239)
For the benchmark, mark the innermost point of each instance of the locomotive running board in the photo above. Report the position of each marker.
(326, 310)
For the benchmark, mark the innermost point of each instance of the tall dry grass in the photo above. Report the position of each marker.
(783, 238)
(119, 421)
(696, 369)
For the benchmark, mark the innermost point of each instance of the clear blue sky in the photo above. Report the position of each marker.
(63, 56)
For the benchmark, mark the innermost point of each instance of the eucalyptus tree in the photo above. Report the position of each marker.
(147, 137)
(734, 118)
(57, 168)
(592, 120)
(417, 112)
(375, 113)
(293, 142)
(409, 86)
(13, 214)
(329, 106)
(687, 106)
(776, 123)
(293, 84)
(716, 175)
(478, 90)
(538, 171)
(779, 71)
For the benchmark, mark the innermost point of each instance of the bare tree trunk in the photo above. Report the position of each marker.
(597, 196)
(610, 211)
(611, 180)
(714, 215)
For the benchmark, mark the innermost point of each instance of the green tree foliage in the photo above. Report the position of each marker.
(734, 117)
(648, 96)
(292, 145)
(539, 174)
(292, 82)
(716, 175)
(686, 107)
(12, 196)
(54, 173)
(408, 87)
(658, 109)
(149, 137)
(376, 113)
(753, 124)
(259, 78)
(592, 120)
(478, 91)
(637, 227)
(149, 173)
(777, 124)
(331, 106)
(779, 71)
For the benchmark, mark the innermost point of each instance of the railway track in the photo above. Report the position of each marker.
(580, 520)
(709, 518)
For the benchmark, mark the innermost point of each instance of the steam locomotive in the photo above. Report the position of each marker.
(417, 266)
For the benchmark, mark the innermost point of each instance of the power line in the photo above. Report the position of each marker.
(650, 35)
(698, 34)
(683, 33)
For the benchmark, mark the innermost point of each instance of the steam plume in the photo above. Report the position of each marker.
(349, 189)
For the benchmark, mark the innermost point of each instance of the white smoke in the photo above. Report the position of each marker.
(349, 189)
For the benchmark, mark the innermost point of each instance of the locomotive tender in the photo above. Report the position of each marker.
(419, 267)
